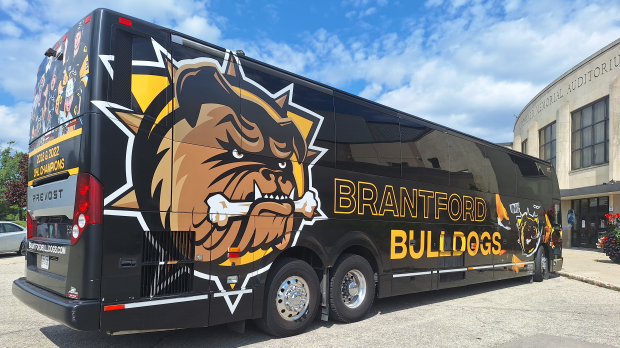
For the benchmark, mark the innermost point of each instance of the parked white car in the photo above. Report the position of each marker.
(12, 237)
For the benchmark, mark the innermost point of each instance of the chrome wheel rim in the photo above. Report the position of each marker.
(543, 264)
(292, 298)
(353, 288)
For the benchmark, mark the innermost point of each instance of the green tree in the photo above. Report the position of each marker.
(16, 189)
(9, 172)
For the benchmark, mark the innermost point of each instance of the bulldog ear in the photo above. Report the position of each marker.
(192, 81)
(231, 67)
(311, 156)
(280, 101)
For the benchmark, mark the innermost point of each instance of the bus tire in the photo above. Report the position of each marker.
(352, 289)
(541, 265)
(291, 298)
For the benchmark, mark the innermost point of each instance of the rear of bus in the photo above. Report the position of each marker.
(63, 260)
(82, 258)
(73, 166)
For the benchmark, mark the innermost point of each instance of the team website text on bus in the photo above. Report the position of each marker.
(176, 184)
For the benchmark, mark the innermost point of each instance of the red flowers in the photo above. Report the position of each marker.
(612, 217)
(610, 243)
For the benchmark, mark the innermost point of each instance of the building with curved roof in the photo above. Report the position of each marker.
(574, 123)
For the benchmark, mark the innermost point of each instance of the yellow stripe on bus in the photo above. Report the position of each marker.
(56, 141)
(71, 171)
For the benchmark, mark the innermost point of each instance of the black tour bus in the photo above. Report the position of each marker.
(177, 184)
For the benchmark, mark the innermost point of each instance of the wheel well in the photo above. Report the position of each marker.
(365, 253)
(305, 254)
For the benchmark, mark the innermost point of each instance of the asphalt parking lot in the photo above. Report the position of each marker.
(559, 312)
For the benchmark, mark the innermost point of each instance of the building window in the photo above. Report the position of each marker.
(590, 135)
(547, 143)
(524, 146)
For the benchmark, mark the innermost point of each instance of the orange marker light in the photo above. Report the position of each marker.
(233, 252)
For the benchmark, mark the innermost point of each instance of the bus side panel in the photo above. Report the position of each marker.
(158, 315)
(413, 275)
(122, 242)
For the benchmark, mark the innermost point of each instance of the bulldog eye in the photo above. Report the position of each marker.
(236, 154)
(282, 165)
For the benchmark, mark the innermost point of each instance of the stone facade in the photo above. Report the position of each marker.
(594, 79)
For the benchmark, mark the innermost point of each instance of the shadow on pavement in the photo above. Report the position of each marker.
(11, 255)
(220, 336)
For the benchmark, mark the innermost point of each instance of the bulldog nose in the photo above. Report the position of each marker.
(270, 174)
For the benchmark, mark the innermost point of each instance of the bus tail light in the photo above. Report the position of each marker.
(88, 208)
(32, 225)
(113, 307)
(124, 21)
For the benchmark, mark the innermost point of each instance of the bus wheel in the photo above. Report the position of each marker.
(292, 298)
(541, 265)
(352, 289)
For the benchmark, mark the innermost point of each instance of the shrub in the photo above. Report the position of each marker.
(610, 242)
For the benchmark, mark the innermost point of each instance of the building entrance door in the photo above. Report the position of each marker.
(590, 221)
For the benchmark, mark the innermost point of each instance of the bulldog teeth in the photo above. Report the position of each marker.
(257, 193)
(292, 195)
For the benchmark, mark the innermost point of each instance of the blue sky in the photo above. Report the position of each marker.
(467, 64)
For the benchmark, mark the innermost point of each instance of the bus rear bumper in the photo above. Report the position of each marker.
(76, 314)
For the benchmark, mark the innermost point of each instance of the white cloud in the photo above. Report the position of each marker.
(15, 121)
(362, 3)
(369, 11)
(10, 29)
(433, 3)
(199, 27)
(469, 65)
(371, 91)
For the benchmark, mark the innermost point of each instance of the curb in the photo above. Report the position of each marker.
(589, 280)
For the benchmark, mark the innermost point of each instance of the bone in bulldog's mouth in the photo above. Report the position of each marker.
(221, 209)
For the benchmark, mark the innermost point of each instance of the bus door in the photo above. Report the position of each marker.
(468, 258)
(411, 267)
(508, 262)
(208, 160)
(149, 256)
(503, 261)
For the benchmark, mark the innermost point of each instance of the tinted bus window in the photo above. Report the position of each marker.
(367, 140)
(291, 131)
(269, 82)
(467, 165)
(425, 155)
(532, 181)
(527, 178)
(501, 172)
(323, 105)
